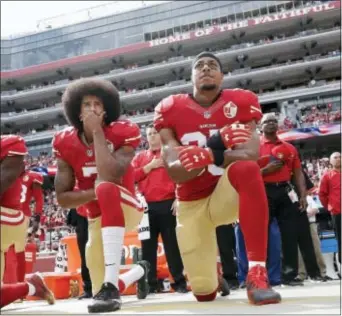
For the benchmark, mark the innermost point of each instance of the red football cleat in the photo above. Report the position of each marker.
(42, 291)
(259, 291)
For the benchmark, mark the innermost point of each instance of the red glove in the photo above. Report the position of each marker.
(282, 152)
(193, 157)
(235, 134)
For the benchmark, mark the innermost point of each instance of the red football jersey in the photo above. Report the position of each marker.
(28, 178)
(193, 124)
(68, 147)
(82, 211)
(13, 145)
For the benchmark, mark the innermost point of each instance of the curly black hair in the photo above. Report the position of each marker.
(103, 89)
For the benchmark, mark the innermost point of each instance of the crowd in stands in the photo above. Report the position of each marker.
(138, 112)
(217, 49)
(315, 168)
(308, 116)
(305, 116)
(53, 222)
(315, 116)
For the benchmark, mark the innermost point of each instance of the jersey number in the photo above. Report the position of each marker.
(199, 139)
(89, 171)
(23, 193)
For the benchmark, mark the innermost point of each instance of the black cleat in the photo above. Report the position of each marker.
(223, 288)
(181, 288)
(233, 284)
(85, 295)
(317, 278)
(152, 290)
(294, 282)
(142, 284)
(106, 300)
(327, 278)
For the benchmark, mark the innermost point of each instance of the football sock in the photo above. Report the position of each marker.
(112, 245)
(12, 292)
(32, 289)
(21, 266)
(129, 277)
(246, 178)
(113, 229)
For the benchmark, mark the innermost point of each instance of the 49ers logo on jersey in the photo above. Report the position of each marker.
(230, 110)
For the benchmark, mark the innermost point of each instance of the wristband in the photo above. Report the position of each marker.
(215, 142)
(218, 157)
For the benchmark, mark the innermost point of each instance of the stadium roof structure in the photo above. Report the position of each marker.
(80, 16)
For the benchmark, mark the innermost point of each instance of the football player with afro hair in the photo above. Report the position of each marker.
(102, 89)
(96, 154)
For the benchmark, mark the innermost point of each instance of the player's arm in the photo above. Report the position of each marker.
(11, 168)
(111, 166)
(123, 158)
(64, 186)
(245, 151)
(170, 156)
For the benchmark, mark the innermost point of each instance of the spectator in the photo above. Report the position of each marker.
(281, 159)
(226, 245)
(312, 210)
(159, 192)
(305, 242)
(330, 195)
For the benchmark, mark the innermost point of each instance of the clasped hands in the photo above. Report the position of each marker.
(194, 157)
